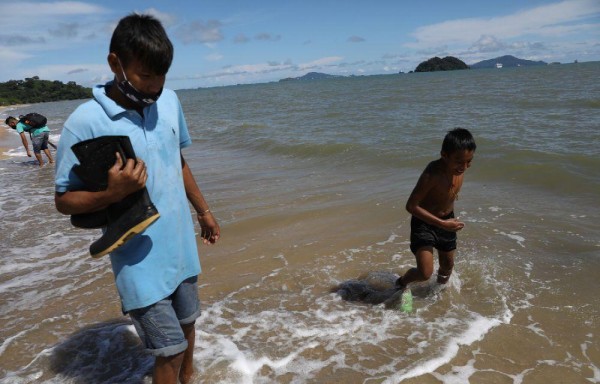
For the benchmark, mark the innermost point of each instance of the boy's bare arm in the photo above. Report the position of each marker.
(192, 190)
(210, 230)
(122, 181)
(414, 205)
(25, 144)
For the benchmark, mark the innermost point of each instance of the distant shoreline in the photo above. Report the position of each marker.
(279, 81)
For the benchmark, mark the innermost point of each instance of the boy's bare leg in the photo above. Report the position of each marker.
(424, 257)
(166, 369)
(186, 374)
(38, 156)
(49, 155)
(446, 266)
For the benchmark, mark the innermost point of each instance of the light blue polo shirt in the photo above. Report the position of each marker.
(151, 265)
(22, 127)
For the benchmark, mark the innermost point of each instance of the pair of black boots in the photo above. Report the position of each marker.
(122, 220)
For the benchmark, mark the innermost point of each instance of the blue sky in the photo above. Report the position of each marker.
(225, 42)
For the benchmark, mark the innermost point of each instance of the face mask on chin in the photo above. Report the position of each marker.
(140, 99)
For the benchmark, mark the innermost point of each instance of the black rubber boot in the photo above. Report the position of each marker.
(400, 284)
(124, 219)
(96, 157)
(92, 220)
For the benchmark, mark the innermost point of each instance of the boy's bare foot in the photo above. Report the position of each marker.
(443, 279)
(187, 377)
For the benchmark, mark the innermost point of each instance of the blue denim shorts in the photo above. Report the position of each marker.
(40, 142)
(159, 325)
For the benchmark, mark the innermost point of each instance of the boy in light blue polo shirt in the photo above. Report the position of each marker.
(39, 138)
(155, 271)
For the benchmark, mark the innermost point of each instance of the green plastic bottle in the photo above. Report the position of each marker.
(406, 302)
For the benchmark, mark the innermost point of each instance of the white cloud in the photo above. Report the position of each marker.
(83, 74)
(267, 37)
(249, 69)
(41, 10)
(241, 39)
(356, 39)
(547, 20)
(65, 30)
(49, 25)
(257, 72)
(166, 19)
(9, 61)
(200, 32)
(40, 15)
(10, 55)
(14, 40)
(488, 43)
(325, 61)
(214, 57)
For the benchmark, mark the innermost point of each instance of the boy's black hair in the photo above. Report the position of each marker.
(142, 37)
(458, 139)
(8, 119)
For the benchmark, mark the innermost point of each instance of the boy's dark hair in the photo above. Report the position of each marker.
(458, 139)
(9, 119)
(142, 37)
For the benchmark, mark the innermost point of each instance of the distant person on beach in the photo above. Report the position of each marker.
(156, 272)
(431, 205)
(39, 138)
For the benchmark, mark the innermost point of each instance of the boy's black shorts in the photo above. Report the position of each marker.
(426, 235)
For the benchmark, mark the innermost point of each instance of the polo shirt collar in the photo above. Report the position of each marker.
(111, 108)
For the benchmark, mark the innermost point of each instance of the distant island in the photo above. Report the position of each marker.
(506, 61)
(33, 90)
(448, 63)
(311, 76)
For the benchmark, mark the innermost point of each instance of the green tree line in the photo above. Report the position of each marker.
(33, 90)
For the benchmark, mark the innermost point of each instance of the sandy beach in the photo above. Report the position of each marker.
(308, 181)
(9, 139)
(3, 144)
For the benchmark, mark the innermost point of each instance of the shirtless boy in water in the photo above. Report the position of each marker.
(431, 205)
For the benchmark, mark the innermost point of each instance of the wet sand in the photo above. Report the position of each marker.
(309, 197)
(3, 144)
(8, 137)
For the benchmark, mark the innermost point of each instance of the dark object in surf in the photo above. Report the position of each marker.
(375, 288)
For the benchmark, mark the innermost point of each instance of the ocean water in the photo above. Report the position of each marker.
(309, 182)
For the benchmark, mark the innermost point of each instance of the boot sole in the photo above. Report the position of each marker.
(128, 235)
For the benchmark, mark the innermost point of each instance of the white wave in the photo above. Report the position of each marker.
(514, 236)
(478, 328)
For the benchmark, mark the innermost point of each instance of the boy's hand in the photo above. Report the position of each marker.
(209, 228)
(453, 225)
(124, 180)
